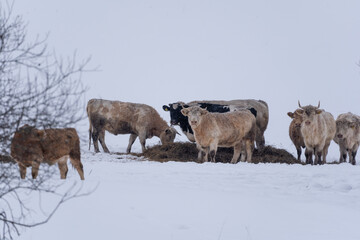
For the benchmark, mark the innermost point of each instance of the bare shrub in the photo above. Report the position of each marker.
(36, 87)
(43, 90)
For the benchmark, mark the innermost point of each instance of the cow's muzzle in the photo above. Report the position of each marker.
(340, 136)
(193, 122)
(173, 122)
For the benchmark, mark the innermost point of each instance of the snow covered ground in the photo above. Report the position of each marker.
(139, 199)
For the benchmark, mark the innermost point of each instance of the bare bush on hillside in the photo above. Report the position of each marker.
(43, 90)
(36, 87)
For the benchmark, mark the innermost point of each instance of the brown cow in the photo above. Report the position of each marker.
(232, 129)
(31, 146)
(318, 129)
(348, 136)
(126, 118)
(295, 132)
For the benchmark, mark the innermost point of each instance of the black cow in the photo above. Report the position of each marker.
(177, 118)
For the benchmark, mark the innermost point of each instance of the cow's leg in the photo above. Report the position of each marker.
(325, 152)
(238, 149)
(213, 148)
(75, 161)
(353, 155)
(298, 149)
(200, 152)
(75, 157)
(259, 138)
(343, 153)
(308, 155)
(62, 164)
(203, 153)
(131, 142)
(249, 150)
(206, 154)
(242, 152)
(95, 137)
(22, 169)
(35, 168)
(102, 141)
(212, 155)
(318, 155)
(142, 138)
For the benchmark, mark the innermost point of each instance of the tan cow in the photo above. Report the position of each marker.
(212, 130)
(295, 132)
(261, 107)
(31, 146)
(318, 129)
(138, 120)
(348, 136)
(262, 115)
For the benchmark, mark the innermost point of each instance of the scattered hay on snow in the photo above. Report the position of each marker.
(187, 152)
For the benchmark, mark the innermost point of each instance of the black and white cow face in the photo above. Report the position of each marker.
(176, 118)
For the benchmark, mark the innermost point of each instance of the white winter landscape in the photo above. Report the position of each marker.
(159, 52)
(137, 199)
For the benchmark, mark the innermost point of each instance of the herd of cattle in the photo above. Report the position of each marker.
(211, 124)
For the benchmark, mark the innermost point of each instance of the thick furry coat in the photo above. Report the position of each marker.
(318, 129)
(348, 136)
(138, 120)
(233, 129)
(31, 146)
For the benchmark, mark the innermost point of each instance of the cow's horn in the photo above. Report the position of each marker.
(319, 104)
(299, 104)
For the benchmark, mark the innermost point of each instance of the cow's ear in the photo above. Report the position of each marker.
(318, 111)
(185, 111)
(353, 125)
(166, 108)
(40, 133)
(299, 111)
(203, 111)
(290, 114)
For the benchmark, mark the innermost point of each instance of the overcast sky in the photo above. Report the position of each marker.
(158, 52)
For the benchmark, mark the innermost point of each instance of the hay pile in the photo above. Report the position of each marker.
(6, 159)
(187, 152)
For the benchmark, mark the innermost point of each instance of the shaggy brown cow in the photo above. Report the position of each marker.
(126, 118)
(232, 129)
(295, 132)
(318, 129)
(31, 146)
(348, 136)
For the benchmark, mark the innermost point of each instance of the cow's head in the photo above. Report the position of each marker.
(309, 113)
(175, 112)
(168, 135)
(346, 128)
(194, 115)
(296, 117)
(26, 144)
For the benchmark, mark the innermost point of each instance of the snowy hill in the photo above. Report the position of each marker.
(138, 199)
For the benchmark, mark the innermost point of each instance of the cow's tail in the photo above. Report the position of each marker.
(90, 125)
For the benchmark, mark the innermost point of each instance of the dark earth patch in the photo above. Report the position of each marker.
(187, 152)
